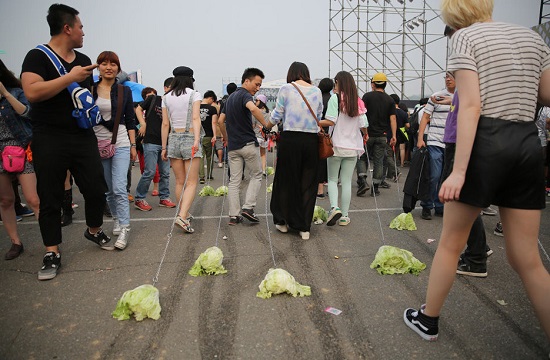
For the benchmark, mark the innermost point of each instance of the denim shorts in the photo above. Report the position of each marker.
(180, 144)
(506, 166)
(219, 144)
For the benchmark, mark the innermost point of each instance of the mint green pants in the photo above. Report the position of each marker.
(343, 166)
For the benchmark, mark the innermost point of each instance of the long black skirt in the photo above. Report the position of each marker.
(295, 184)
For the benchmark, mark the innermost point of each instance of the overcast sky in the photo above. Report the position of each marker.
(216, 38)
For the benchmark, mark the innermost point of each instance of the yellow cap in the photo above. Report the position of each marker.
(379, 78)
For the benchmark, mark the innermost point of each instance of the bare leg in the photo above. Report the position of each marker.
(264, 158)
(7, 199)
(521, 230)
(28, 185)
(457, 222)
(180, 168)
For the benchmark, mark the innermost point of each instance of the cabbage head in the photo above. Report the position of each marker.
(269, 170)
(208, 263)
(221, 191)
(392, 260)
(269, 188)
(207, 191)
(403, 221)
(278, 281)
(319, 215)
(142, 302)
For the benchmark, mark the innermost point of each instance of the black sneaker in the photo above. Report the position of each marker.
(101, 239)
(416, 321)
(465, 269)
(384, 185)
(107, 211)
(498, 229)
(363, 188)
(234, 220)
(50, 264)
(374, 191)
(426, 214)
(201, 181)
(249, 214)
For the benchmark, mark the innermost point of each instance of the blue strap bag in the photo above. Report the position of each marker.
(85, 110)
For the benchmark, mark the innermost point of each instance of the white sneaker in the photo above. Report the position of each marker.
(220, 165)
(116, 227)
(489, 211)
(122, 239)
(344, 220)
(282, 228)
(304, 235)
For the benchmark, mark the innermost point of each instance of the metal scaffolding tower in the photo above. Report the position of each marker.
(544, 14)
(402, 38)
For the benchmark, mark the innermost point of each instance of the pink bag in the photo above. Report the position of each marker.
(106, 149)
(13, 159)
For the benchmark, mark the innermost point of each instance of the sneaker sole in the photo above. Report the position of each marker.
(488, 213)
(416, 330)
(250, 217)
(120, 245)
(362, 192)
(332, 221)
(143, 209)
(498, 234)
(342, 223)
(473, 274)
(166, 206)
(282, 228)
(48, 276)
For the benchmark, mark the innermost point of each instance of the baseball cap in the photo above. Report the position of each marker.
(379, 78)
(262, 98)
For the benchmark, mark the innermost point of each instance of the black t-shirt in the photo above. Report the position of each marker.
(238, 120)
(207, 111)
(402, 118)
(380, 106)
(153, 118)
(55, 113)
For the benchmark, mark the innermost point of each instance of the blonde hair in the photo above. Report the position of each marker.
(459, 14)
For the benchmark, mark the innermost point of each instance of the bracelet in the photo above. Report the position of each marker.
(163, 148)
(133, 145)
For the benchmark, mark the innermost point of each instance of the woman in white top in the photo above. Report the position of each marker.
(498, 157)
(181, 117)
(347, 120)
(115, 168)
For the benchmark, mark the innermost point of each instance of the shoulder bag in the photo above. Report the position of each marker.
(106, 147)
(325, 143)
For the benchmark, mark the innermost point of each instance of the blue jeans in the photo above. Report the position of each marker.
(436, 169)
(115, 171)
(152, 158)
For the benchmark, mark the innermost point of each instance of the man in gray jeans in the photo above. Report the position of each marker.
(243, 148)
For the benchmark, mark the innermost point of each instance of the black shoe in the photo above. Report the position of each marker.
(374, 191)
(66, 219)
(425, 326)
(234, 220)
(210, 178)
(363, 186)
(14, 251)
(101, 239)
(50, 264)
(498, 229)
(465, 269)
(438, 213)
(384, 185)
(426, 214)
(320, 196)
(201, 181)
(107, 211)
(249, 214)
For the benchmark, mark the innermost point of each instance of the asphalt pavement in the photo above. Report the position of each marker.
(220, 317)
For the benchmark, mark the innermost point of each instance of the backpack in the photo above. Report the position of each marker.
(85, 110)
(414, 121)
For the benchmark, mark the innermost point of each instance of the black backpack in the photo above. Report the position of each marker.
(414, 122)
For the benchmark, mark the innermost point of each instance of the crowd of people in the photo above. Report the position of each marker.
(184, 130)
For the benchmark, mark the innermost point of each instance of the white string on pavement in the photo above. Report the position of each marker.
(223, 203)
(374, 195)
(267, 215)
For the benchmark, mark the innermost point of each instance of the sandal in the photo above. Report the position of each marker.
(185, 225)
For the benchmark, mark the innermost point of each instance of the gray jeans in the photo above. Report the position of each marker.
(249, 157)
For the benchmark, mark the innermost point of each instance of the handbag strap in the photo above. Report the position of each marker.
(308, 106)
(118, 113)
(189, 113)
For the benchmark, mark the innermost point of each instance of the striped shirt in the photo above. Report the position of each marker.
(509, 60)
(438, 118)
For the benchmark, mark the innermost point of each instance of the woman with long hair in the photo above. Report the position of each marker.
(261, 101)
(15, 130)
(181, 116)
(295, 183)
(498, 157)
(347, 120)
(115, 169)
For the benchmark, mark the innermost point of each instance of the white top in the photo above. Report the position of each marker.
(347, 139)
(509, 60)
(438, 118)
(178, 106)
(102, 133)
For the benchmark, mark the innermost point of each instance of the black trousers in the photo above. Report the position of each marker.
(475, 254)
(53, 155)
(295, 184)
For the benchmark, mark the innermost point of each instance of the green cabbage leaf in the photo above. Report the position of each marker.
(209, 263)
(269, 170)
(320, 215)
(142, 302)
(221, 191)
(278, 281)
(403, 221)
(207, 191)
(392, 260)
